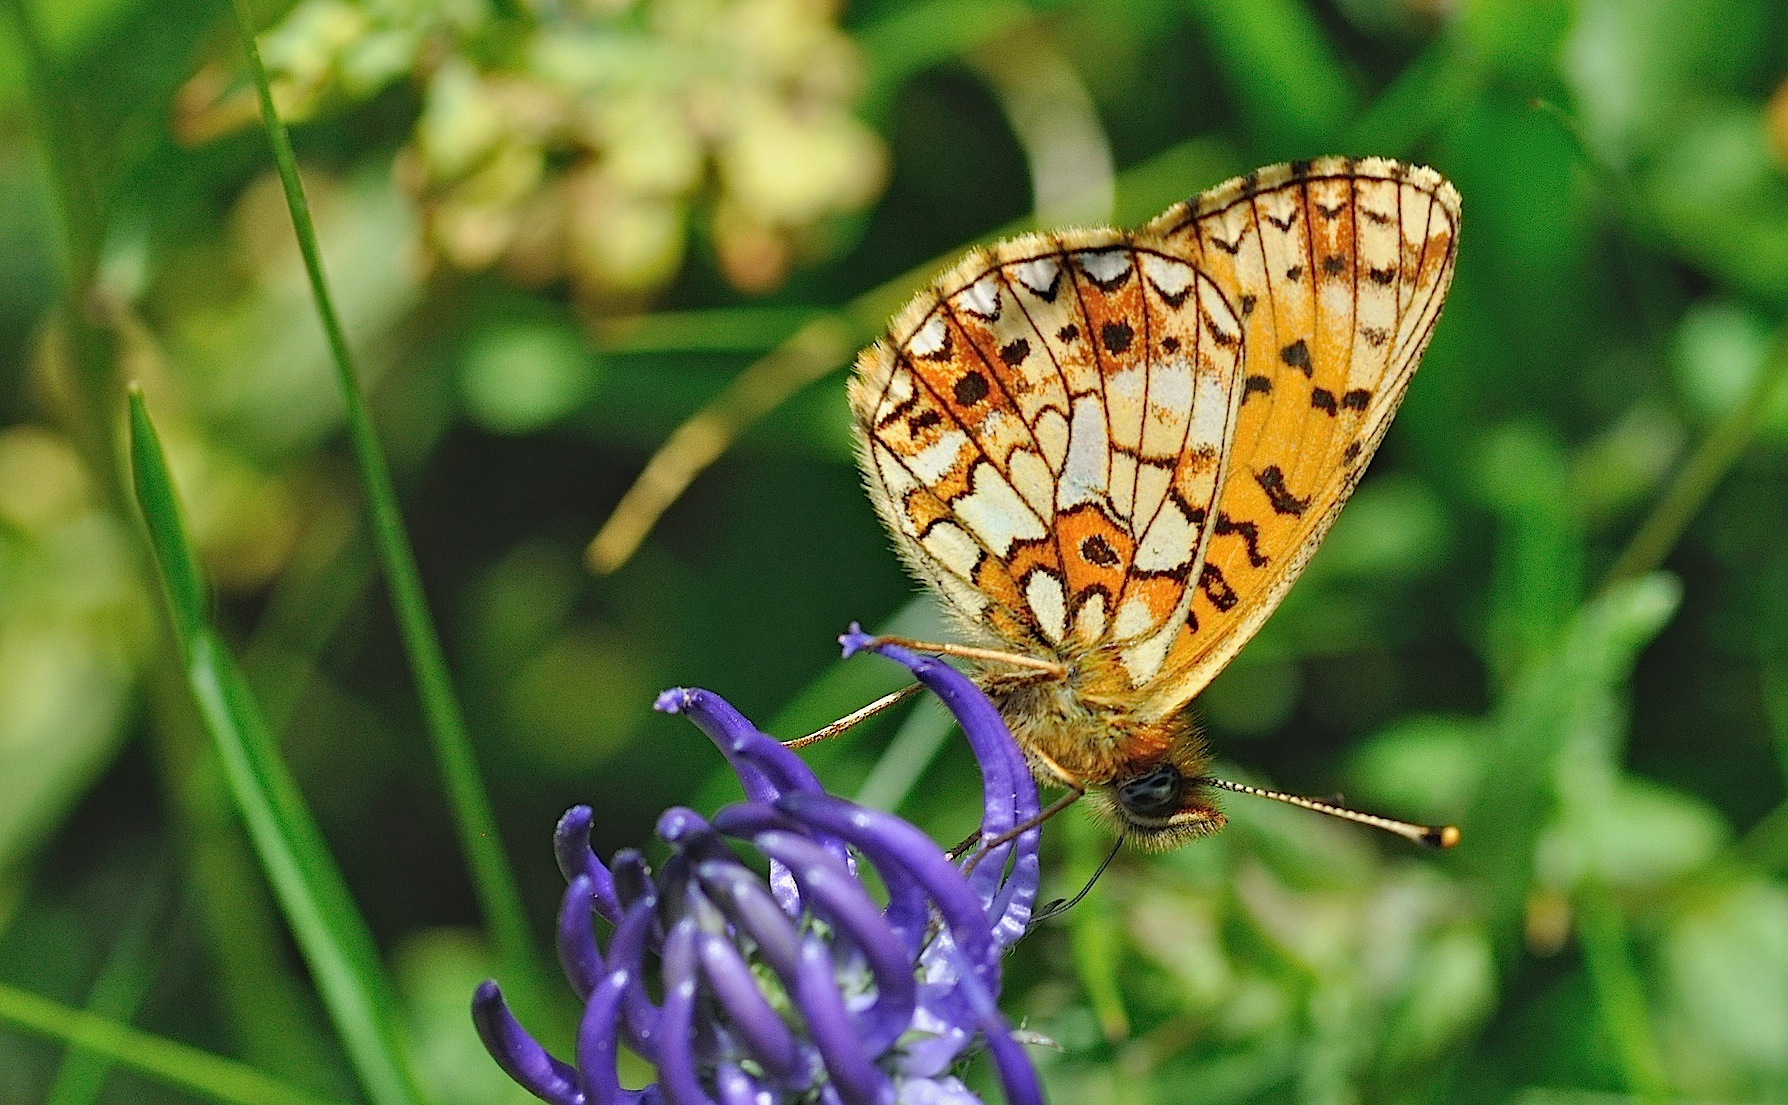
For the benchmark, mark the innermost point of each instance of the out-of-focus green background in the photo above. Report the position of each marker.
(558, 230)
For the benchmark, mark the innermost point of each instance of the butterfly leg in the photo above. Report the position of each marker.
(1076, 789)
(852, 718)
(970, 652)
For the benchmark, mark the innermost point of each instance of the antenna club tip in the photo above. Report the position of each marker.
(1443, 837)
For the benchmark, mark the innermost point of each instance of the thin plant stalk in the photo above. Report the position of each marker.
(494, 882)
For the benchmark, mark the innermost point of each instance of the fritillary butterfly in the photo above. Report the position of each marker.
(1113, 452)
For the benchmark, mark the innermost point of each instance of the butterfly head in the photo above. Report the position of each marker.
(1161, 801)
(1160, 809)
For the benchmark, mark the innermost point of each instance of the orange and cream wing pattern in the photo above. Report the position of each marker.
(1337, 269)
(1131, 444)
(1044, 432)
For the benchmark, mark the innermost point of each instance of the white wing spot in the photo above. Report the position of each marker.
(931, 462)
(1171, 278)
(1033, 481)
(1169, 543)
(1089, 620)
(995, 513)
(929, 338)
(950, 546)
(982, 298)
(1105, 265)
(1086, 476)
(1039, 275)
(1210, 411)
(1043, 591)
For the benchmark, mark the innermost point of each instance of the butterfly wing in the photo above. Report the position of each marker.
(1337, 268)
(1043, 431)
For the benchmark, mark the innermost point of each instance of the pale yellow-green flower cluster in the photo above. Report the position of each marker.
(591, 142)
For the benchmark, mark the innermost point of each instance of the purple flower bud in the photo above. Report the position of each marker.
(801, 988)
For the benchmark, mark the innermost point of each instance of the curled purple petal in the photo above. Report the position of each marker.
(579, 956)
(805, 988)
(597, 1052)
(892, 843)
(841, 899)
(676, 1055)
(571, 845)
(748, 904)
(633, 879)
(1009, 791)
(1017, 1076)
(758, 1026)
(851, 1067)
(627, 954)
(734, 1087)
(517, 1052)
(765, 768)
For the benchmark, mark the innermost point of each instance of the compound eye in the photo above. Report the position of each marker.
(1156, 794)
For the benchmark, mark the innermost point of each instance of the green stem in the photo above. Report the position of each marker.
(1706, 467)
(166, 1061)
(494, 882)
(1620, 997)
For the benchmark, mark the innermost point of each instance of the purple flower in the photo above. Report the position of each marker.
(801, 988)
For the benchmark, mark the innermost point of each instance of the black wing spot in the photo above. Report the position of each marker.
(1331, 212)
(1216, 588)
(1375, 335)
(926, 419)
(1014, 352)
(1334, 265)
(1170, 344)
(1351, 453)
(1297, 355)
(1382, 276)
(1247, 531)
(1248, 302)
(1301, 168)
(1252, 384)
(1323, 400)
(1294, 273)
(1356, 399)
(1231, 248)
(1379, 217)
(1098, 552)
(1116, 336)
(1068, 333)
(1272, 481)
(971, 388)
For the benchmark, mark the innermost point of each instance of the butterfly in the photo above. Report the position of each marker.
(1109, 454)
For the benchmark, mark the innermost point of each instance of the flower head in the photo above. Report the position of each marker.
(802, 987)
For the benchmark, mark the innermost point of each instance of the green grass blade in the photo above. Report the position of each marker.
(1283, 69)
(179, 568)
(124, 981)
(1620, 997)
(1705, 468)
(494, 882)
(166, 1061)
(331, 935)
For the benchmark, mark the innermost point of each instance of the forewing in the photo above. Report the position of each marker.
(1338, 268)
(1043, 434)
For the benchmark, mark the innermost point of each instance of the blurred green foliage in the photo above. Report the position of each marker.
(1556, 611)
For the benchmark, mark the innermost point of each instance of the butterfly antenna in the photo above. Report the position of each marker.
(1434, 836)
(1058, 907)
